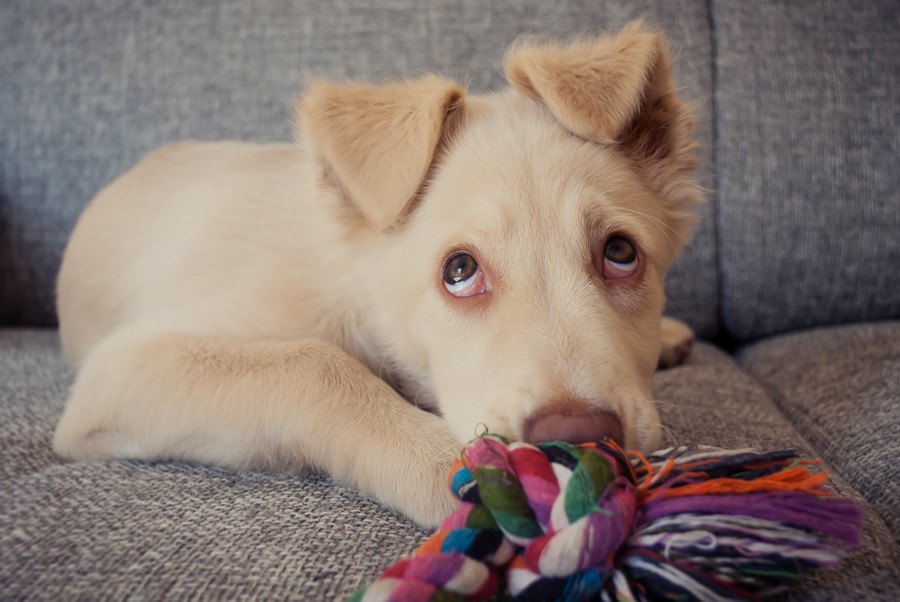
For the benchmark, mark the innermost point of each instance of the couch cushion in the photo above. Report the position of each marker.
(176, 530)
(712, 401)
(89, 86)
(808, 184)
(840, 388)
(166, 530)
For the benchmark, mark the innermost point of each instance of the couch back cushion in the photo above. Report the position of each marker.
(808, 164)
(89, 86)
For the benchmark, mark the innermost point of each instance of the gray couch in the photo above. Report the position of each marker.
(793, 278)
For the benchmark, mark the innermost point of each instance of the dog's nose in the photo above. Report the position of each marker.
(572, 422)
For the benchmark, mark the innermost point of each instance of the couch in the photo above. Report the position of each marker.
(792, 281)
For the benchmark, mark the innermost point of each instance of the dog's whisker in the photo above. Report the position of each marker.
(381, 367)
(672, 440)
(665, 227)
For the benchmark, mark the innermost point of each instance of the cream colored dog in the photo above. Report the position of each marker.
(423, 261)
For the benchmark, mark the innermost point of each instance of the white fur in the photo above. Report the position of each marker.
(232, 303)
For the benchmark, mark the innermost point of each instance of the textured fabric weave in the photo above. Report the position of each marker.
(177, 531)
(840, 388)
(173, 531)
(89, 86)
(711, 401)
(807, 163)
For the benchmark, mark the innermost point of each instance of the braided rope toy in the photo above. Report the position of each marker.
(573, 522)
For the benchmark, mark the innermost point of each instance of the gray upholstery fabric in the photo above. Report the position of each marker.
(840, 387)
(119, 530)
(807, 173)
(711, 401)
(89, 86)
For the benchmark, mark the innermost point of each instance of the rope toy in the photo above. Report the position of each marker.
(568, 522)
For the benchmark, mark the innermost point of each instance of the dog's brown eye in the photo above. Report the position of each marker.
(620, 258)
(463, 277)
(618, 250)
(460, 268)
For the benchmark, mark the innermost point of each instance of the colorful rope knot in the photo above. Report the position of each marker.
(559, 521)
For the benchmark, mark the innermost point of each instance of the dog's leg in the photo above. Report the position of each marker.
(676, 340)
(245, 403)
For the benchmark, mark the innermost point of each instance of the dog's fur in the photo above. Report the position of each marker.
(260, 306)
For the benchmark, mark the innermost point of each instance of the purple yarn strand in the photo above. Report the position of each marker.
(834, 517)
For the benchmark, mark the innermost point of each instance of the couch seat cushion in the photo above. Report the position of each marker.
(840, 388)
(177, 530)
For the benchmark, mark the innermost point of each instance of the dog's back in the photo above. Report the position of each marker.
(191, 223)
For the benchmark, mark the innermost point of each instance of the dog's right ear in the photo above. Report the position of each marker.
(379, 141)
(617, 91)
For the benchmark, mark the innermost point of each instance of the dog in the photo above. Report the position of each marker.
(421, 264)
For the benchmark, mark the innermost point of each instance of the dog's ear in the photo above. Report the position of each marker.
(379, 141)
(618, 91)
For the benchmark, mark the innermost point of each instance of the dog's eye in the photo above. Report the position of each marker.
(620, 258)
(463, 277)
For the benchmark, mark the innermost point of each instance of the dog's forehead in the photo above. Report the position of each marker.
(513, 168)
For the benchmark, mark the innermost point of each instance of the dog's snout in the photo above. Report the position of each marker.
(574, 422)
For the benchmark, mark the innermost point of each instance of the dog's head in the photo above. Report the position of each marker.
(513, 247)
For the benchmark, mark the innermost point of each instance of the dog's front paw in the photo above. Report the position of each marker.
(434, 502)
(676, 340)
(427, 499)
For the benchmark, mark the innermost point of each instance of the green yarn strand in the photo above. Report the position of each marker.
(501, 493)
(589, 480)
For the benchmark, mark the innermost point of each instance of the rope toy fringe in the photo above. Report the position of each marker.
(571, 522)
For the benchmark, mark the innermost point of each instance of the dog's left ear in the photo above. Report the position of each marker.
(379, 141)
(617, 91)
